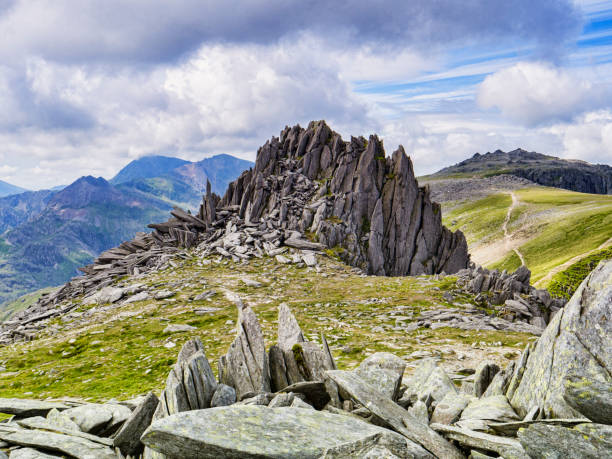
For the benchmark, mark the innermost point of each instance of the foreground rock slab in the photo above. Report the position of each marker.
(509, 448)
(258, 432)
(26, 408)
(77, 447)
(585, 441)
(575, 343)
(393, 414)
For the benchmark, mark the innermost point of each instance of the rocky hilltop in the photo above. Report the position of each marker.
(351, 197)
(539, 168)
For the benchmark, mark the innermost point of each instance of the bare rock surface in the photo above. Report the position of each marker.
(256, 431)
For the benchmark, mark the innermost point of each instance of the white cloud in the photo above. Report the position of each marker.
(533, 93)
(589, 137)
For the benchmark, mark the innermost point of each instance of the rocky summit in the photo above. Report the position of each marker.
(289, 400)
(351, 197)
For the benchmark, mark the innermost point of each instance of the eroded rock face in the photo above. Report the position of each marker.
(351, 196)
(575, 344)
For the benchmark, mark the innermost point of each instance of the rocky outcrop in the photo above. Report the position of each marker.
(510, 294)
(351, 197)
(576, 344)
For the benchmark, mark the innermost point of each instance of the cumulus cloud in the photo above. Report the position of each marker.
(588, 137)
(534, 93)
(158, 30)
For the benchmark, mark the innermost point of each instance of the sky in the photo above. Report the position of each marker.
(86, 86)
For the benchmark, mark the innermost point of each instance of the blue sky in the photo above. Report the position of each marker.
(88, 85)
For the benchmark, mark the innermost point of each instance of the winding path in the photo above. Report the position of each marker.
(507, 235)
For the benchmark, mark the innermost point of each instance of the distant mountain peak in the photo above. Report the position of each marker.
(575, 175)
(6, 189)
(147, 167)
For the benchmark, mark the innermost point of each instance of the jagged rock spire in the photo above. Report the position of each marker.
(349, 196)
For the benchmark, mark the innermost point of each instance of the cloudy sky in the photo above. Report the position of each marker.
(88, 85)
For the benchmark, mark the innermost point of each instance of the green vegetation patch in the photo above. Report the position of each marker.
(565, 283)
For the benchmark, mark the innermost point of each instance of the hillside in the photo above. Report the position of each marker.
(6, 189)
(541, 169)
(547, 228)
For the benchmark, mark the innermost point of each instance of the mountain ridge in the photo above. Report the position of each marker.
(574, 175)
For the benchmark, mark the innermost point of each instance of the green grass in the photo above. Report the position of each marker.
(120, 351)
(481, 220)
(553, 226)
(565, 283)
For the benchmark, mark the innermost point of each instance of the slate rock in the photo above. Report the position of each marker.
(508, 448)
(394, 415)
(383, 445)
(65, 444)
(224, 396)
(577, 342)
(128, 437)
(90, 418)
(384, 371)
(494, 408)
(593, 441)
(589, 397)
(178, 328)
(449, 409)
(428, 382)
(40, 423)
(27, 408)
(485, 373)
(255, 431)
(28, 453)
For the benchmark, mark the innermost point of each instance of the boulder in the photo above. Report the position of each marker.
(223, 396)
(485, 373)
(26, 408)
(428, 382)
(576, 343)
(508, 448)
(128, 437)
(256, 431)
(494, 408)
(27, 453)
(394, 415)
(384, 371)
(380, 445)
(589, 397)
(584, 441)
(449, 409)
(61, 443)
(245, 366)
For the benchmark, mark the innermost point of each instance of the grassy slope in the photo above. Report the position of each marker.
(565, 283)
(554, 226)
(119, 352)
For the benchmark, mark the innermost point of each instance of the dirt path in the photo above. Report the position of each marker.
(570, 262)
(507, 236)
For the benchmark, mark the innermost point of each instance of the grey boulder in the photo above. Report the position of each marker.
(256, 431)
